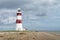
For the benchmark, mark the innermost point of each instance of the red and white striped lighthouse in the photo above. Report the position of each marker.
(19, 26)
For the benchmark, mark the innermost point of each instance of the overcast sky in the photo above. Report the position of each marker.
(37, 14)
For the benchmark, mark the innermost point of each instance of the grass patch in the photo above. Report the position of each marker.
(8, 31)
(22, 33)
(1, 36)
(10, 38)
(14, 31)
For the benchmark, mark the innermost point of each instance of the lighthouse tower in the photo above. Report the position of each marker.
(19, 26)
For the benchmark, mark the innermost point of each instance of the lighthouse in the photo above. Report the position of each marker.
(19, 26)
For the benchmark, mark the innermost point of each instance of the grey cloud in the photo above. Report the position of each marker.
(9, 20)
(12, 3)
(26, 5)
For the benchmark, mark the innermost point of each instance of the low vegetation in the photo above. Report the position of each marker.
(28, 35)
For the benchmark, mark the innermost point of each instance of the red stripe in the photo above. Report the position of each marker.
(18, 21)
(19, 14)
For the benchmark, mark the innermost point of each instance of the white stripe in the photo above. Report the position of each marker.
(19, 27)
(19, 12)
(19, 17)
